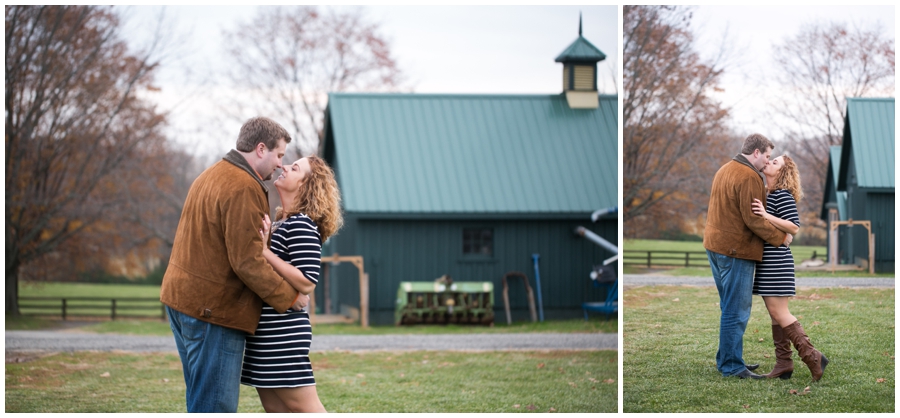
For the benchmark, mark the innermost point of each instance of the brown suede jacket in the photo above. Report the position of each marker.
(217, 272)
(732, 228)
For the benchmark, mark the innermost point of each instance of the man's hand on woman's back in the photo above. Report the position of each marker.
(301, 302)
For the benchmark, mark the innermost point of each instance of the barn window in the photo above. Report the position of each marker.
(478, 241)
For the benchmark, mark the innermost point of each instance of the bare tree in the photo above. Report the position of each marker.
(824, 64)
(288, 59)
(674, 130)
(73, 124)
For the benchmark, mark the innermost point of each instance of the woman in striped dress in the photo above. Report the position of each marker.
(774, 279)
(276, 357)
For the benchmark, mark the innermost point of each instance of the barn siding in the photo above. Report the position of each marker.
(423, 250)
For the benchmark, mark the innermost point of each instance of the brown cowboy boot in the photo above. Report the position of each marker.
(814, 359)
(784, 365)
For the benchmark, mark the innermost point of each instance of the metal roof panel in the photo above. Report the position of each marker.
(438, 153)
(871, 122)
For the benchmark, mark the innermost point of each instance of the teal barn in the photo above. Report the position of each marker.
(471, 186)
(860, 185)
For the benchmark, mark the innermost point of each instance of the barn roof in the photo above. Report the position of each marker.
(869, 140)
(446, 154)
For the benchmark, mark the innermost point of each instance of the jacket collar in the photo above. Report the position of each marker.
(237, 159)
(740, 158)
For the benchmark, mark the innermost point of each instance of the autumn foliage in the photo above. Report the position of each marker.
(674, 134)
(79, 142)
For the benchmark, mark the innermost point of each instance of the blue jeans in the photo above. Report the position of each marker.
(211, 358)
(734, 280)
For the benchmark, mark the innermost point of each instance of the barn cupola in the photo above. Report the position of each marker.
(580, 72)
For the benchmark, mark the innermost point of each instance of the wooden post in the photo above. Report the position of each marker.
(648, 259)
(64, 309)
(113, 314)
(871, 253)
(364, 299)
(832, 238)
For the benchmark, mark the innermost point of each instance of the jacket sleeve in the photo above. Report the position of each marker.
(750, 189)
(242, 215)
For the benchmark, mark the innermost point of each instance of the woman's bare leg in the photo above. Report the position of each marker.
(271, 402)
(778, 310)
(301, 399)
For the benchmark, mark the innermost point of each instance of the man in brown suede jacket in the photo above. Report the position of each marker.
(733, 239)
(217, 277)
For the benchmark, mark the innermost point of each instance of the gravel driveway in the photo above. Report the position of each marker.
(54, 341)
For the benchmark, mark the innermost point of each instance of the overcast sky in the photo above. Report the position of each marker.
(753, 32)
(441, 49)
(503, 49)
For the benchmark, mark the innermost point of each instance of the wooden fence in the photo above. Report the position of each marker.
(92, 307)
(651, 259)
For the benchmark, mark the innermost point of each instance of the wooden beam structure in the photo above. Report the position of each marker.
(833, 226)
(357, 261)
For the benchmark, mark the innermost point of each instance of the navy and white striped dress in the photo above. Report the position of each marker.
(277, 356)
(775, 274)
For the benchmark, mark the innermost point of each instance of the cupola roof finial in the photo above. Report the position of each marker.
(579, 23)
(581, 50)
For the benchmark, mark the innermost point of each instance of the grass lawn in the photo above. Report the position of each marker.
(419, 381)
(670, 338)
(347, 382)
(95, 290)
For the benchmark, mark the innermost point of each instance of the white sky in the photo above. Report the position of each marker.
(503, 49)
(754, 31)
(441, 49)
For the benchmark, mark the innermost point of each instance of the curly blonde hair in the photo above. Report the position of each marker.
(319, 198)
(788, 178)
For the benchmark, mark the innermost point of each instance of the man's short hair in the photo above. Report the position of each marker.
(261, 129)
(756, 142)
